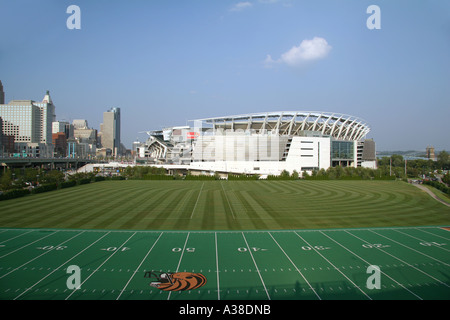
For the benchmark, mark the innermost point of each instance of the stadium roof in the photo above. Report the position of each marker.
(339, 126)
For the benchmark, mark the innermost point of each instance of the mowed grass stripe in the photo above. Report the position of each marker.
(222, 205)
(44, 212)
(126, 215)
(87, 214)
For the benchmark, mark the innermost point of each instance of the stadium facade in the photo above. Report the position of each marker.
(262, 143)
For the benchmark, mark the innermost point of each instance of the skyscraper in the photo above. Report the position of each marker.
(2, 93)
(110, 130)
(30, 123)
(47, 110)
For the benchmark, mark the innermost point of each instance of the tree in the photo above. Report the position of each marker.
(443, 161)
(446, 178)
(6, 181)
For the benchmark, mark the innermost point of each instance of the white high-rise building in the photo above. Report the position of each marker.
(110, 130)
(21, 119)
(47, 115)
(30, 122)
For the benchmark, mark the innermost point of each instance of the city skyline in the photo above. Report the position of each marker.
(166, 63)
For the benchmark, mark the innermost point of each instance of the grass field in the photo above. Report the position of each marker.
(247, 240)
(226, 205)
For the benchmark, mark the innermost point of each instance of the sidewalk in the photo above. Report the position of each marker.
(430, 193)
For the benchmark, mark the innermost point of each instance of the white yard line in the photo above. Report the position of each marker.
(179, 262)
(135, 271)
(195, 206)
(425, 241)
(61, 265)
(28, 244)
(40, 254)
(402, 261)
(217, 266)
(368, 263)
(117, 250)
(228, 201)
(250, 251)
(296, 267)
(354, 284)
(22, 234)
(434, 234)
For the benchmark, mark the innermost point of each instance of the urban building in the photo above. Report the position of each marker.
(110, 131)
(2, 93)
(30, 123)
(86, 139)
(59, 141)
(21, 119)
(47, 117)
(430, 153)
(263, 143)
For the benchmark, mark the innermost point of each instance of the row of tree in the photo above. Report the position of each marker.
(25, 177)
(388, 168)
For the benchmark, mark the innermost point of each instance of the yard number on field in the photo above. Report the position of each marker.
(180, 249)
(255, 249)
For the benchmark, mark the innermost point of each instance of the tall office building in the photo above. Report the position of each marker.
(30, 123)
(110, 130)
(2, 93)
(21, 119)
(47, 115)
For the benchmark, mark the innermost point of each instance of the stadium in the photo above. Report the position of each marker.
(102, 237)
(262, 143)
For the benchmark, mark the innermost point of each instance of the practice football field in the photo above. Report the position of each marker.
(414, 263)
(226, 240)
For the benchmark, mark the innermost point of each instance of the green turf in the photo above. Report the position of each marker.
(238, 265)
(226, 205)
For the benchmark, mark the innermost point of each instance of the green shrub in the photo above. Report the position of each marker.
(16, 193)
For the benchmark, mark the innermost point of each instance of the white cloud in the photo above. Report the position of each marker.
(308, 51)
(269, 62)
(284, 3)
(241, 6)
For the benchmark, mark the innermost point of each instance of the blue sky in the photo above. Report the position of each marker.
(164, 62)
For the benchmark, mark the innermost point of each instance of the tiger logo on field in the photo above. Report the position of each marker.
(178, 281)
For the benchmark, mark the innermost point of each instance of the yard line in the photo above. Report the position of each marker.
(250, 251)
(192, 214)
(135, 271)
(22, 234)
(410, 248)
(437, 235)
(217, 266)
(354, 284)
(228, 201)
(368, 263)
(419, 240)
(117, 250)
(296, 268)
(179, 262)
(40, 254)
(402, 261)
(61, 265)
(29, 244)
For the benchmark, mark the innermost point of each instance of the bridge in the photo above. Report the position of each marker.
(49, 163)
